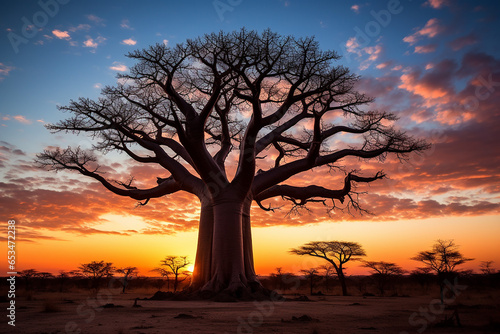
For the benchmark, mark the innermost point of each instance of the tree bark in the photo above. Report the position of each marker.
(228, 265)
(247, 245)
(203, 261)
(341, 276)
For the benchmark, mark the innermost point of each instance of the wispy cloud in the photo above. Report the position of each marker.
(431, 29)
(84, 27)
(4, 70)
(437, 3)
(96, 19)
(355, 8)
(462, 42)
(129, 41)
(117, 66)
(125, 24)
(93, 43)
(22, 119)
(425, 48)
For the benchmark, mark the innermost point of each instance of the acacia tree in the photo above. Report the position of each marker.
(192, 107)
(96, 271)
(443, 259)
(383, 272)
(311, 275)
(128, 273)
(336, 252)
(176, 265)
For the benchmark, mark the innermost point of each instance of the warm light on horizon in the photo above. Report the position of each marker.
(394, 241)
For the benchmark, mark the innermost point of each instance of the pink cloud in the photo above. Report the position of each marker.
(93, 43)
(61, 34)
(355, 8)
(125, 24)
(118, 67)
(463, 41)
(89, 43)
(22, 119)
(437, 3)
(431, 29)
(80, 27)
(96, 19)
(436, 84)
(4, 70)
(129, 41)
(425, 48)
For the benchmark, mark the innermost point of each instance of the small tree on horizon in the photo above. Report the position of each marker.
(176, 265)
(128, 273)
(335, 252)
(328, 272)
(96, 271)
(311, 275)
(383, 272)
(443, 259)
(486, 267)
(28, 275)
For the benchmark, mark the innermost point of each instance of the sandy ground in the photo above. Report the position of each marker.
(79, 313)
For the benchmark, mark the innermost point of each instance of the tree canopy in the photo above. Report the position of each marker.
(230, 118)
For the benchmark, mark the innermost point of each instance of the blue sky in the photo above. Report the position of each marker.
(436, 63)
(54, 64)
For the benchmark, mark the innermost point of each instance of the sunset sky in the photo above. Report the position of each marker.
(435, 63)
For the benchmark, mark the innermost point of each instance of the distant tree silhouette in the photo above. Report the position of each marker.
(28, 276)
(177, 266)
(43, 278)
(423, 276)
(383, 272)
(443, 259)
(62, 277)
(328, 272)
(487, 267)
(335, 252)
(96, 271)
(186, 108)
(128, 273)
(283, 280)
(312, 276)
(164, 273)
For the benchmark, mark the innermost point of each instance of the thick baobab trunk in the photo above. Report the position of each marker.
(203, 261)
(247, 245)
(228, 265)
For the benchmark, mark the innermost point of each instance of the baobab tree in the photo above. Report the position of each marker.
(337, 253)
(195, 108)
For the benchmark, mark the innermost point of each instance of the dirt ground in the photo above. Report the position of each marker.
(80, 313)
